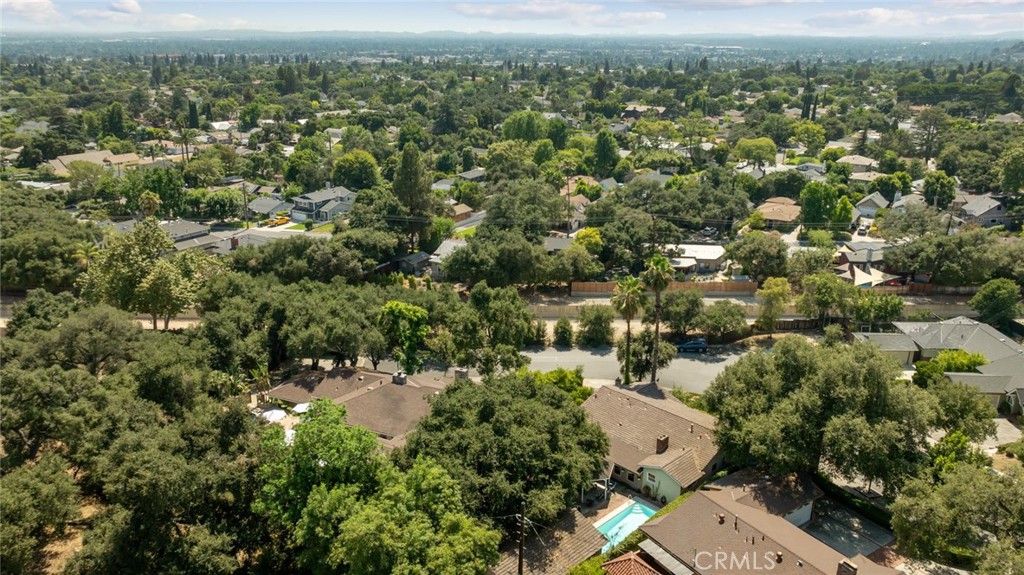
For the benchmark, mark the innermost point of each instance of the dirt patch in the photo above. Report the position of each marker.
(1000, 462)
(60, 550)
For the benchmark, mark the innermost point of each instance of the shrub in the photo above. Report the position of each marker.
(595, 326)
(538, 334)
(563, 332)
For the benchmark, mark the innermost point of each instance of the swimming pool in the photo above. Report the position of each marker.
(624, 521)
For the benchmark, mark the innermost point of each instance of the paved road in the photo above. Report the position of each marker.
(691, 371)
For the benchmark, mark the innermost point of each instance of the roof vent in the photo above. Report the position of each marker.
(399, 377)
(778, 556)
(721, 518)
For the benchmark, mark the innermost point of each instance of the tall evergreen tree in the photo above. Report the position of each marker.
(412, 187)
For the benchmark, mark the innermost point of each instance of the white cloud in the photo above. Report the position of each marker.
(579, 13)
(529, 10)
(35, 10)
(966, 3)
(138, 20)
(866, 17)
(126, 6)
(729, 4)
(626, 19)
(980, 22)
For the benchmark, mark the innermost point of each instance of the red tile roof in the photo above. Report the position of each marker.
(629, 564)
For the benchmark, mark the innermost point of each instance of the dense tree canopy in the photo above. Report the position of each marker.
(509, 440)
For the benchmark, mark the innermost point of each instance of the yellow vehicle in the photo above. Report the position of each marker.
(277, 222)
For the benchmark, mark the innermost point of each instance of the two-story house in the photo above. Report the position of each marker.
(323, 205)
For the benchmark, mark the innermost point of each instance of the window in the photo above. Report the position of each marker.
(650, 477)
(631, 477)
(714, 467)
(617, 470)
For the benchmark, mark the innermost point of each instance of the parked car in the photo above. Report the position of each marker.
(699, 345)
(709, 231)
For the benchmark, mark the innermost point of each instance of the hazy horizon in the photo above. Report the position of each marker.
(629, 18)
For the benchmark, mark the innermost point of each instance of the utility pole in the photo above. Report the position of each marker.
(522, 534)
(245, 206)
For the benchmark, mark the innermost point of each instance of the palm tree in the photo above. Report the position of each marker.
(85, 253)
(260, 381)
(656, 278)
(186, 136)
(628, 299)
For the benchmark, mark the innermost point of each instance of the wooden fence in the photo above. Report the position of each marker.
(926, 289)
(721, 288)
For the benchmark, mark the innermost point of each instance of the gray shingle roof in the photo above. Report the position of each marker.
(183, 228)
(979, 206)
(888, 341)
(874, 200)
(984, 383)
(268, 205)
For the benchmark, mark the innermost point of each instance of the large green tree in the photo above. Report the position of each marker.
(405, 327)
(998, 302)
(412, 188)
(508, 441)
(761, 254)
(804, 405)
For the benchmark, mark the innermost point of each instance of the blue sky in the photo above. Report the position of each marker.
(920, 18)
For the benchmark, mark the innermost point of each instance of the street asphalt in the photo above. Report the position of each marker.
(690, 371)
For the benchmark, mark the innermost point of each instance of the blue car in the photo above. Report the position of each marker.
(698, 345)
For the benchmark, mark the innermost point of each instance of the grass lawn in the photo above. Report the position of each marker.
(466, 233)
(323, 229)
(296, 227)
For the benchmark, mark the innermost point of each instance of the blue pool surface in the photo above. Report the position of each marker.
(623, 523)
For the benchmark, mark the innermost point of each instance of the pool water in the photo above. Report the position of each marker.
(625, 521)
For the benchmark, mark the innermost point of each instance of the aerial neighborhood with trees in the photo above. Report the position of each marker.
(434, 305)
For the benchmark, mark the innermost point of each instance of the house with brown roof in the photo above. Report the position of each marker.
(572, 540)
(389, 405)
(461, 212)
(858, 163)
(657, 444)
(61, 164)
(745, 523)
(780, 211)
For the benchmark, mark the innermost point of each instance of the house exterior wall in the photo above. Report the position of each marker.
(623, 475)
(659, 484)
(905, 358)
(867, 212)
(801, 515)
(710, 265)
(994, 398)
(993, 217)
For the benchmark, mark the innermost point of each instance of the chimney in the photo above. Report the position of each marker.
(846, 567)
(399, 377)
(234, 243)
(662, 444)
